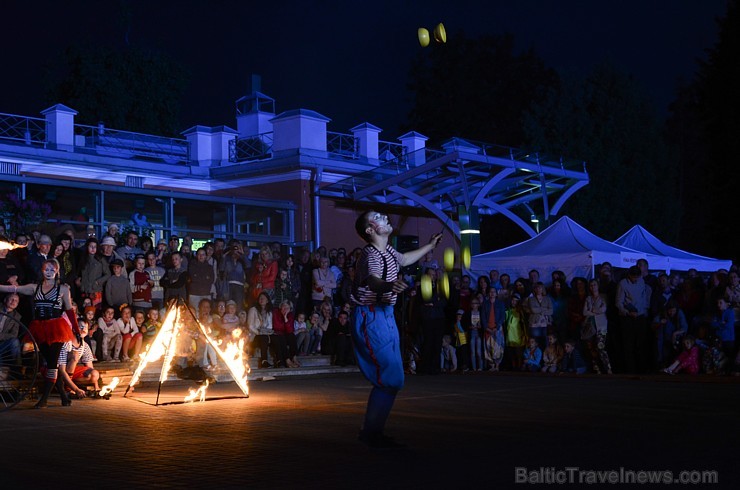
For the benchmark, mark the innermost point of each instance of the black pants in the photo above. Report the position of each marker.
(635, 345)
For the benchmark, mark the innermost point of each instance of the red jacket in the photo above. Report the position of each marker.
(281, 326)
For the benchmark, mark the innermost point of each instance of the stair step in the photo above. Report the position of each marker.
(310, 365)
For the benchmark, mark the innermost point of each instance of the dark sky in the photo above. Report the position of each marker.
(348, 59)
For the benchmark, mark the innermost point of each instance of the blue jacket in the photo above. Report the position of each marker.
(535, 358)
(500, 310)
(724, 326)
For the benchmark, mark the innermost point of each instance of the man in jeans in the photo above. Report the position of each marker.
(633, 303)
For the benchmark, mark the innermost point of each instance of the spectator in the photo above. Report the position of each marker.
(514, 332)
(473, 323)
(131, 337)
(230, 319)
(141, 285)
(10, 320)
(259, 320)
(633, 302)
(572, 360)
(94, 336)
(300, 329)
(202, 279)
(539, 313)
(282, 323)
(432, 319)
(208, 359)
(595, 327)
(108, 251)
(669, 326)
(156, 273)
(233, 273)
(324, 283)
(11, 269)
(552, 355)
(532, 356)
(112, 336)
(448, 356)
(152, 324)
(37, 257)
(339, 330)
(723, 325)
(688, 359)
(118, 287)
(175, 280)
(130, 250)
(315, 333)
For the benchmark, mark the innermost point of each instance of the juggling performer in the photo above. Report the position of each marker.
(50, 301)
(374, 331)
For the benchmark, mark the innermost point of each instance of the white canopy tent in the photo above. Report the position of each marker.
(639, 238)
(565, 246)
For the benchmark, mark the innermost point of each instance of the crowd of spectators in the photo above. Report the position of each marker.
(291, 306)
(628, 321)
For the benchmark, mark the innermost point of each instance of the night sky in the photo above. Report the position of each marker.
(348, 59)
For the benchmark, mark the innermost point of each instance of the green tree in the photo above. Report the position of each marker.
(476, 89)
(131, 88)
(606, 120)
(704, 127)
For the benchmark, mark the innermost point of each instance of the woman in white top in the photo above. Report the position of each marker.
(259, 321)
(594, 327)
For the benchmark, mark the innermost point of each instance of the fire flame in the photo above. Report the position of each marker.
(9, 246)
(110, 387)
(164, 346)
(200, 393)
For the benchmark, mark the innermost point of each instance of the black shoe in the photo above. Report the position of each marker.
(41, 404)
(266, 364)
(377, 440)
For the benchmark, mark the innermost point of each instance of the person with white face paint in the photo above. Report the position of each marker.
(49, 328)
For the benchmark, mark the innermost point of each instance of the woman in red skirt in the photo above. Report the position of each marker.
(49, 328)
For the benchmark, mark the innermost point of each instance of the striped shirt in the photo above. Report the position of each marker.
(85, 357)
(373, 262)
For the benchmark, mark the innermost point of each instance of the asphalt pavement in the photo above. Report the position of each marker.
(473, 430)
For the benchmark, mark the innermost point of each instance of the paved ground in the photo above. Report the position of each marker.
(462, 430)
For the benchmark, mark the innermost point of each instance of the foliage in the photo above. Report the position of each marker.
(133, 89)
(704, 127)
(23, 215)
(605, 120)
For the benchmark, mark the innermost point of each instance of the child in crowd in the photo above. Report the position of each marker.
(131, 337)
(94, 335)
(461, 342)
(552, 355)
(76, 364)
(473, 324)
(713, 358)
(152, 324)
(230, 319)
(493, 347)
(532, 356)
(117, 288)
(515, 334)
(112, 337)
(140, 319)
(572, 359)
(315, 333)
(448, 356)
(300, 329)
(688, 360)
(723, 325)
(141, 285)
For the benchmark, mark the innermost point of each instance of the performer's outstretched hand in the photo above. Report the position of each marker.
(434, 241)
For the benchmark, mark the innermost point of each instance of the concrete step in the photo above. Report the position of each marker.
(310, 365)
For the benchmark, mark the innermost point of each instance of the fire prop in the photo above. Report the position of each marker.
(107, 390)
(9, 246)
(175, 338)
